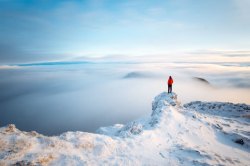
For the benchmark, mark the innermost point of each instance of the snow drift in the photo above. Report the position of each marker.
(198, 133)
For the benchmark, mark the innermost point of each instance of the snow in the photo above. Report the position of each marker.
(197, 133)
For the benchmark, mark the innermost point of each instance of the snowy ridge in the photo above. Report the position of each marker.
(160, 104)
(221, 109)
(199, 133)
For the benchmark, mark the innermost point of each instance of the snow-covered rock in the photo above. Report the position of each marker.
(199, 133)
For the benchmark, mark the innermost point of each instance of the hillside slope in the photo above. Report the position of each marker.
(198, 133)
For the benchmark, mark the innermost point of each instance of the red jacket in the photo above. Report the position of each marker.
(170, 81)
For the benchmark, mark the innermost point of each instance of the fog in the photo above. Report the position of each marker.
(54, 98)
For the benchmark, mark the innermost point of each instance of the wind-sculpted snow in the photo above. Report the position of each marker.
(221, 109)
(197, 134)
(231, 119)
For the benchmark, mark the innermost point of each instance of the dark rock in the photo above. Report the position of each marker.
(23, 163)
(239, 141)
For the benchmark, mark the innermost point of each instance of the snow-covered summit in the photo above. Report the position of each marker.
(161, 103)
(164, 98)
(172, 135)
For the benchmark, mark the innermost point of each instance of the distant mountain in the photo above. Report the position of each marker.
(135, 75)
(203, 80)
(140, 74)
(54, 63)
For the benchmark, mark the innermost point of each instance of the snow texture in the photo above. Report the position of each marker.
(198, 133)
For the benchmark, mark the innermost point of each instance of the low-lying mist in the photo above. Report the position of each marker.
(52, 99)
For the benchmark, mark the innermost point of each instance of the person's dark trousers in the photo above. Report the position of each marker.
(169, 88)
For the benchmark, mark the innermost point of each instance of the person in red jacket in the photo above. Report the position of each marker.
(170, 83)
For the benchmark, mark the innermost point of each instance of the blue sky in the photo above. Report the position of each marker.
(51, 30)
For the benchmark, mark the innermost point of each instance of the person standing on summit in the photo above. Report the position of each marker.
(170, 83)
